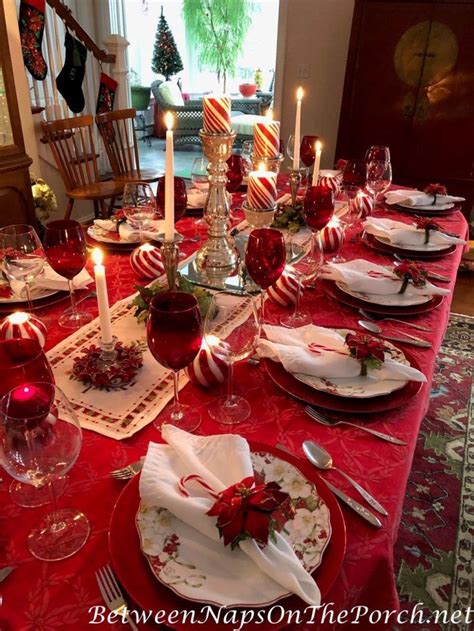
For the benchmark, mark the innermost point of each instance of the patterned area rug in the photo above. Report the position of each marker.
(435, 548)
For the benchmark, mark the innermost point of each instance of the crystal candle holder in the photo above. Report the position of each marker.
(271, 163)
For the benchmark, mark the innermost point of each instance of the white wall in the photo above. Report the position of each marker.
(313, 32)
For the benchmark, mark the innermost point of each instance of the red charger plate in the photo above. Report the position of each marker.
(149, 594)
(330, 287)
(301, 391)
(388, 248)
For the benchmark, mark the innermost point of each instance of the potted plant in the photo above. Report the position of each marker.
(140, 93)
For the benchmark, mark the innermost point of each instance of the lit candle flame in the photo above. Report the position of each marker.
(299, 94)
(97, 256)
(210, 341)
(147, 247)
(19, 317)
(261, 167)
(169, 120)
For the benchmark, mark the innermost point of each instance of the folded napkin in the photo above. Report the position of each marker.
(407, 234)
(368, 278)
(410, 197)
(330, 358)
(49, 279)
(221, 461)
(337, 173)
(197, 197)
(128, 232)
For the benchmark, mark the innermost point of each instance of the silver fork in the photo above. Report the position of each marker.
(128, 472)
(369, 316)
(329, 422)
(112, 594)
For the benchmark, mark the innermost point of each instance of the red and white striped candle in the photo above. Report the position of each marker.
(22, 324)
(266, 138)
(216, 111)
(262, 191)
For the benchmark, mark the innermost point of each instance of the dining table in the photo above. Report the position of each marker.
(42, 596)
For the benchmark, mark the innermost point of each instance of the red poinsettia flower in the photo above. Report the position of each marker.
(364, 347)
(427, 224)
(436, 189)
(244, 511)
(411, 271)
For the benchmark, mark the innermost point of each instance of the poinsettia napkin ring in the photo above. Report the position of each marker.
(244, 510)
(428, 225)
(369, 351)
(435, 189)
(410, 271)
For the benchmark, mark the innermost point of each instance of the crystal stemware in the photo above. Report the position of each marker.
(66, 252)
(235, 173)
(347, 196)
(265, 258)
(174, 334)
(23, 255)
(40, 440)
(355, 173)
(180, 197)
(139, 206)
(240, 343)
(377, 152)
(246, 153)
(379, 178)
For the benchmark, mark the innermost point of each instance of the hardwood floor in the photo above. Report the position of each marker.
(463, 301)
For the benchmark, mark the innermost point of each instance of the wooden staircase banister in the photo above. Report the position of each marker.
(72, 24)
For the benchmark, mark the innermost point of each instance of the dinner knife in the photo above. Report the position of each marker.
(4, 572)
(440, 277)
(405, 340)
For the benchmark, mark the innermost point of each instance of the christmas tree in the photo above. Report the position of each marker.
(166, 59)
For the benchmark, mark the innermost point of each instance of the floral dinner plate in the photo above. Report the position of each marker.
(390, 300)
(177, 556)
(424, 247)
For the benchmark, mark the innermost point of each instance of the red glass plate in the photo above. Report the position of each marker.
(136, 578)
(330, 287)
(301, 391)
(408, 254)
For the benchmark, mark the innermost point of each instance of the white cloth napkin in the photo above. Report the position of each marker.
(369, 278)
(410, 197)
(197, 197)
(221, 461)
(331, 359)
(128, 232)
(49, 279)
(407, 234)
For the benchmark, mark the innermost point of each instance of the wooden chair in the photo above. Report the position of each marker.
(72, 145)
(118, 133)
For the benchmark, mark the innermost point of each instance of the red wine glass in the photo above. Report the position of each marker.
(308, 152)
(355, 173)
(40, 440)
(265, 258)
(235, 173)
(318, 207)
(180, 197)
(66, 251)
(174, 334)
(22, 360)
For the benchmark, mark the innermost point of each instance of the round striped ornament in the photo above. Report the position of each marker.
(266, 139)
(146, 261)
(216, 112)
(262, 191)
(329, 182)
(25, 325)
(284, 291)
(362, 205)
(332, 238)
(207, 370)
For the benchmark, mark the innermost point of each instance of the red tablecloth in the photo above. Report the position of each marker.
(45, 596)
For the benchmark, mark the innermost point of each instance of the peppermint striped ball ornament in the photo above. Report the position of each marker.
(146, 261)
(261, 191)
(329, 182)
(216, 110)
(24, 325)
(266, 139)
(207, 370)
(284, 291)
(362, 205)
(332, 238)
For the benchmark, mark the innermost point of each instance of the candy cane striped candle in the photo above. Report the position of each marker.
(266, 138)
(216, 111)
(261, 192)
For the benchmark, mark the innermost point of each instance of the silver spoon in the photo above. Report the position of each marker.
(408, 339)
(322, 459)
(369, 316)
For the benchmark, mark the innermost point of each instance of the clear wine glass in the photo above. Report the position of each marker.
(350, 217)
(174, 334)
(246, 153)
(139, 206)
(379, 178)
(200, 181)
(290, 146)
(40, 440)
(23, 255)
(66, 251)
(236, 345)
(377, 152)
